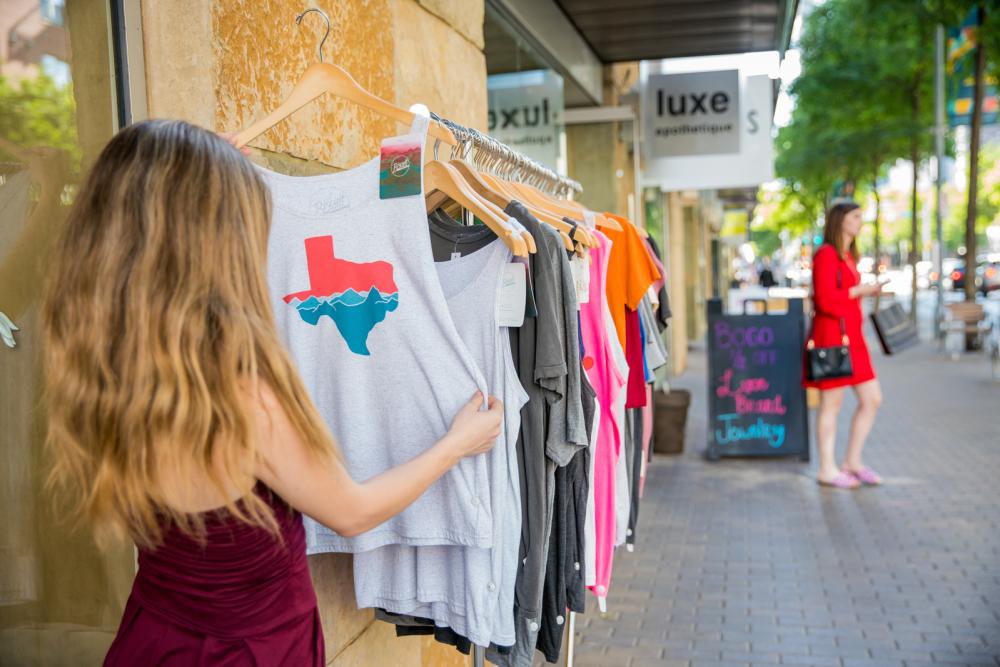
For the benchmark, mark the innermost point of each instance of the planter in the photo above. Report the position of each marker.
(670, 420)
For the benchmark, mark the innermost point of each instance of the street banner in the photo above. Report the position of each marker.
(961, 54)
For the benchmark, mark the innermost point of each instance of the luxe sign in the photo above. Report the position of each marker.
(694, 114)
(525, 112)
(757, 405)
(702, 136)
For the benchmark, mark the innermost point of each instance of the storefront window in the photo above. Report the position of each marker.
(60, 596)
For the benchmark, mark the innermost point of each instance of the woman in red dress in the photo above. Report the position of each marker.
(176, 418)
(837, 294)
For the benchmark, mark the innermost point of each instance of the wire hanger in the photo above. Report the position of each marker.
(320, 78)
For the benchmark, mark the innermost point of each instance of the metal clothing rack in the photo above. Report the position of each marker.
(504, 161)
(493, 155)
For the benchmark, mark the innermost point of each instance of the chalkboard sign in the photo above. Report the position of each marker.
(757, 406)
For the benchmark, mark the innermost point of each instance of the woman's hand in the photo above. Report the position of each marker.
(231, 138)
(473, 430)
(867, 290)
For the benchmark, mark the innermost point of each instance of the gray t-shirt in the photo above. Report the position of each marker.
(540, 354)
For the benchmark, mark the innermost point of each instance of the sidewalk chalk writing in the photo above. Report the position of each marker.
(729, 432)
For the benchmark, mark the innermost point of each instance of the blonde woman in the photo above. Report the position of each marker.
(177, 419)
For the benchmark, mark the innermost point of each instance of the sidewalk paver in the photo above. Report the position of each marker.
(748, 562)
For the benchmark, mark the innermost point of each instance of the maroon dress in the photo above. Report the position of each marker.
(241, 597)
(833, 303)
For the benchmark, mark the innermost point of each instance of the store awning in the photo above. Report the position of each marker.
(627, 30)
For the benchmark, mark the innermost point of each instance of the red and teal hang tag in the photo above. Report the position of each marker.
(399, 167)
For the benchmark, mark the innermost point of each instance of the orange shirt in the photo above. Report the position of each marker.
(631, 271)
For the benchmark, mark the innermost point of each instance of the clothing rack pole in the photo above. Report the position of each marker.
(570, 652)
(522, 166)
(478, 656)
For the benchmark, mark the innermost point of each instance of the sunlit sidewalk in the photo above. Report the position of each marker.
(748, 562)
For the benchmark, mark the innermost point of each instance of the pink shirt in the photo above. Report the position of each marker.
(604, 376)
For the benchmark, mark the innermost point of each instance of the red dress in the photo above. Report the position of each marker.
(831, 303)
(240, 598)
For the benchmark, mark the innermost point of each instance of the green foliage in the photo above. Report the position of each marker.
(861, 100)
(37, 112)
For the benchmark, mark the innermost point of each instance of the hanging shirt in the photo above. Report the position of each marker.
(634, 355)
(358, 304)
(630, 272)
(607, 381)
(468, 589)
(662, 309)
(655, 350)
(621, 499)
(540, 351)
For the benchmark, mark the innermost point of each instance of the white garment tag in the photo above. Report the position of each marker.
(512, 295)
(7, 329)
(654, 297)
(581, 277)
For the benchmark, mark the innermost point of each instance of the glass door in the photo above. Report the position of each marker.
(60, 596)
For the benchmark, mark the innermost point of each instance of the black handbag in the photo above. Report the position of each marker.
(896, 331)
(827, 363)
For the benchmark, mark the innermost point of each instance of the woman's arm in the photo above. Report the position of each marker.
(325, 490)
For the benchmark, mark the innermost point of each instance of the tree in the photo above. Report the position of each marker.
(37, 112)
(862, 100)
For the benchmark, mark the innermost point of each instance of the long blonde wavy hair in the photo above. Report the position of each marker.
(157, 330)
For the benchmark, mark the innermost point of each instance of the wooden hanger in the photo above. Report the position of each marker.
(320, 78)
(500, 191)
(556, 208)
(444, 177)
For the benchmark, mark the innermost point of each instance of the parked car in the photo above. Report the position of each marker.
(956, 276)
(988, 277)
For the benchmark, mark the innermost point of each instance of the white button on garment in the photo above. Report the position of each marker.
(491, 587)
(533, 626)
(560, 619)
(628, 532)
(576, 566)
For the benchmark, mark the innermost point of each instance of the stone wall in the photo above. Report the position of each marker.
(223, 63)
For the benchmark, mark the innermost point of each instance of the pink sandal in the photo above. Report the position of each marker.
(866, 476)
(843, 480)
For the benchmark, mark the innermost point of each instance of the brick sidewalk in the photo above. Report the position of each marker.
(748, 562)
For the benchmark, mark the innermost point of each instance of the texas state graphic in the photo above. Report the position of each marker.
(355, 295)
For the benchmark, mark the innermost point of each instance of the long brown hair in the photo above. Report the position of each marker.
(833, 231)
(157, 330)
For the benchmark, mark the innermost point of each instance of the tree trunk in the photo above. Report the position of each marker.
(970, 214)
(878, 226)
(914, 237)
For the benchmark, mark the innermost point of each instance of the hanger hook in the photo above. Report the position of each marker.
(298, 21)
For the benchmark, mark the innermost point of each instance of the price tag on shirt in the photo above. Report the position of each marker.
(399, 167)
(581, 277)
(513, 292)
